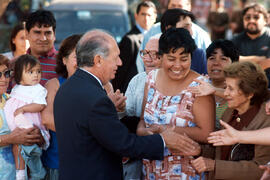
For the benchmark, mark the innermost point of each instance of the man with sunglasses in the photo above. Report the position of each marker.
(254, 42)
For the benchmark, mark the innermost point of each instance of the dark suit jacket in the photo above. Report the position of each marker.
(129, 47)
(90, 137)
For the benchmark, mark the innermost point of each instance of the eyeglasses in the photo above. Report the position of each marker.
(248, 17)
(152, 54)
(6, 74)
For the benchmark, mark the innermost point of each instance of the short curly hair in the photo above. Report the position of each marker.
(227, 47)
(4, 61)
(175, 38)
(252, 80)
(41, 18)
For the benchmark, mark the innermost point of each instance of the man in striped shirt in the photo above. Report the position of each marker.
(40, 31)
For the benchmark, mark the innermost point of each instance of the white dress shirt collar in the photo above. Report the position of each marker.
(93, 76)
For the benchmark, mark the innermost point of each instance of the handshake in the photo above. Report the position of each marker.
(180, 144)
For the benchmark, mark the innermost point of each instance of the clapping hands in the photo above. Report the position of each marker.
(118, 98)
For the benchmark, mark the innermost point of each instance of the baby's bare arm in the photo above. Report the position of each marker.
(31, 108)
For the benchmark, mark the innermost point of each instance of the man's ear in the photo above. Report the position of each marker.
(135, 16)
(98, 60)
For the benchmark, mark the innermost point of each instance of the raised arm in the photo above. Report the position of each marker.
(255, 59)
(47, 118)
(261, 60)
(205, 89)
(229, 136)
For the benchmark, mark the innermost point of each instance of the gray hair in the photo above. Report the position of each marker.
(95, 42)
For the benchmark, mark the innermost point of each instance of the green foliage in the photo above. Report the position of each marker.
(25, 5)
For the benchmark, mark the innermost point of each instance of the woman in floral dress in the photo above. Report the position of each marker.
(167, 102)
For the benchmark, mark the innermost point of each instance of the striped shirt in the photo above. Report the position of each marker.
(48, 63)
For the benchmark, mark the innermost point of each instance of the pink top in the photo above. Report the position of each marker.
(23, 95)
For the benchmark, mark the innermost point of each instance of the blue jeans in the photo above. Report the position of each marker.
(52, 174)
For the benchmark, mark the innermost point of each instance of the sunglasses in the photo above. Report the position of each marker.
(6, 74)
(248, 17)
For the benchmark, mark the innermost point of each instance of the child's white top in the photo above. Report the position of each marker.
(30, 94)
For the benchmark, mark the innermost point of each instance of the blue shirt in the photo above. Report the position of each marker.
(199, 61)
(143, 31)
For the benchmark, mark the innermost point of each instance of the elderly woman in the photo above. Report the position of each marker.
(167, 102)
(18, 136)
(246, 90)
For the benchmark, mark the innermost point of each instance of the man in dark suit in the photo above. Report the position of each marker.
(145, 17)
(91, 139)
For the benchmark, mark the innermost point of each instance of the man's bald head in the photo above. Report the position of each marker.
(92, 43)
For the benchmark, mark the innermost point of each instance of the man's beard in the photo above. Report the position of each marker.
(253, 31)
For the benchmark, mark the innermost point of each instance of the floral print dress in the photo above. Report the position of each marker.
(175, 110)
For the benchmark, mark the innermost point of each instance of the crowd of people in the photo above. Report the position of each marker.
(164, 103)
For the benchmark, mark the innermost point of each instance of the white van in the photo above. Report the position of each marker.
(79, 16)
